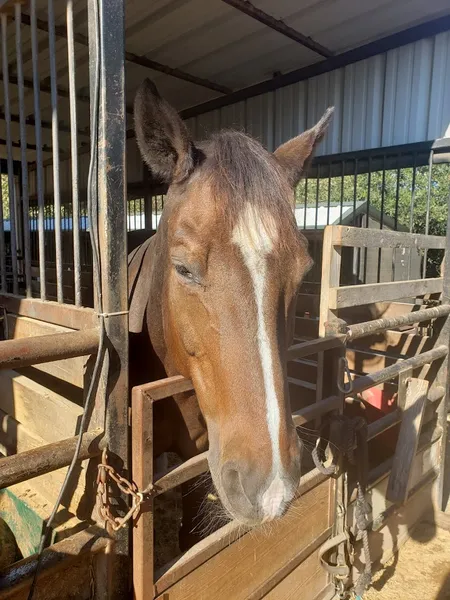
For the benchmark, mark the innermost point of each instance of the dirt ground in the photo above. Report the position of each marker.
(421, 571)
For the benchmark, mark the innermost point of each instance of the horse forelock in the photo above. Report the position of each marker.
(242, 174)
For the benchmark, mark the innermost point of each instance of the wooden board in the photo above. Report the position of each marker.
(355, 295)
(303, 583)
(254, 558)
(66, 315)
(408, 440)
(69, 370)
(41, 411)
(384, 238)
(14, 437)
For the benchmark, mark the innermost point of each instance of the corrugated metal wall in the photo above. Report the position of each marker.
(399, 97)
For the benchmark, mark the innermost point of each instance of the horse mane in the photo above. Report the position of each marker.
(241, 171)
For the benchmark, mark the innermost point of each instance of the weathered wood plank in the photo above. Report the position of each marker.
(14, 437)
(408, 440)
(252, 559)
(355, 295)
(384, 238)
(303, 581)
(41, 411)
(74, 317)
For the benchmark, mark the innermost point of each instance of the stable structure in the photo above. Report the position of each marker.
(373, 312)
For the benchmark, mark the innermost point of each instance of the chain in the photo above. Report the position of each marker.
(125, 486)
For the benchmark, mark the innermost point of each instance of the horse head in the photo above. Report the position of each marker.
(230, 259)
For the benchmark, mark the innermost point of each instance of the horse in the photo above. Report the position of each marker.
(212, 298)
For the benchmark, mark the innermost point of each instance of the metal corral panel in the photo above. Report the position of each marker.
(394, 98)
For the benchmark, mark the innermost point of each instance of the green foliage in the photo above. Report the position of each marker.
(382, 191)
(5, 196)
(412, 195)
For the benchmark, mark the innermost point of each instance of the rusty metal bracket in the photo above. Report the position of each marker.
(127, 487)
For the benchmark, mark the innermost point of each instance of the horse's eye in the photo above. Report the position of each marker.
(181, 270)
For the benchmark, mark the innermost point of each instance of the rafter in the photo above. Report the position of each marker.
(278, 25)
(143, 61)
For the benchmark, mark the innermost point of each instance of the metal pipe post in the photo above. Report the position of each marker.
(55, 143)
(11, 185)
(29, 351)
(39, 158)
(370, 327)
(74, 154)
(112, 395)
(23, 148)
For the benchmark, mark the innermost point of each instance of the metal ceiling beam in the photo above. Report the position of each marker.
(143, 61)
(380, 46)
(252, 11)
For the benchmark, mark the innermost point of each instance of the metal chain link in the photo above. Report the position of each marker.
(125, 486)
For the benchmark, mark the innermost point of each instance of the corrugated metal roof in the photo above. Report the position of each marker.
(394, 98)
(210, 39)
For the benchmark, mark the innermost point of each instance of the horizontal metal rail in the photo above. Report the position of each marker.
(368, 381)
(45, 459)
(16, 578)
(158, 390)
(314, 346)
(40, 349)
(369, 327)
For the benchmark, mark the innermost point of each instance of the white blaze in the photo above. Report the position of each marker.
(256, 243)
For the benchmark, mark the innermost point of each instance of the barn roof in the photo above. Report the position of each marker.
(209, 51)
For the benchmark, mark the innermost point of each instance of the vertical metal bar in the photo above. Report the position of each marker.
(39, 159)
(306, 202)
(23, 149)
(317, 196)
(74, 153)
(55, 144)
(383, 192)
(397, 198)
(107, 37)
(342, 191)
(355, 190)
(11, 186)
(427, 215)
(329, 194)
(2, 241)
(369, 186)
(411, 211)
(413, 195)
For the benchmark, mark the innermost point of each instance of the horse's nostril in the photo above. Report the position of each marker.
(230, 478)
(233, 485)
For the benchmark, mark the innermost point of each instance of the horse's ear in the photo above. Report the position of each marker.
(162, 136)
(294, 156)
